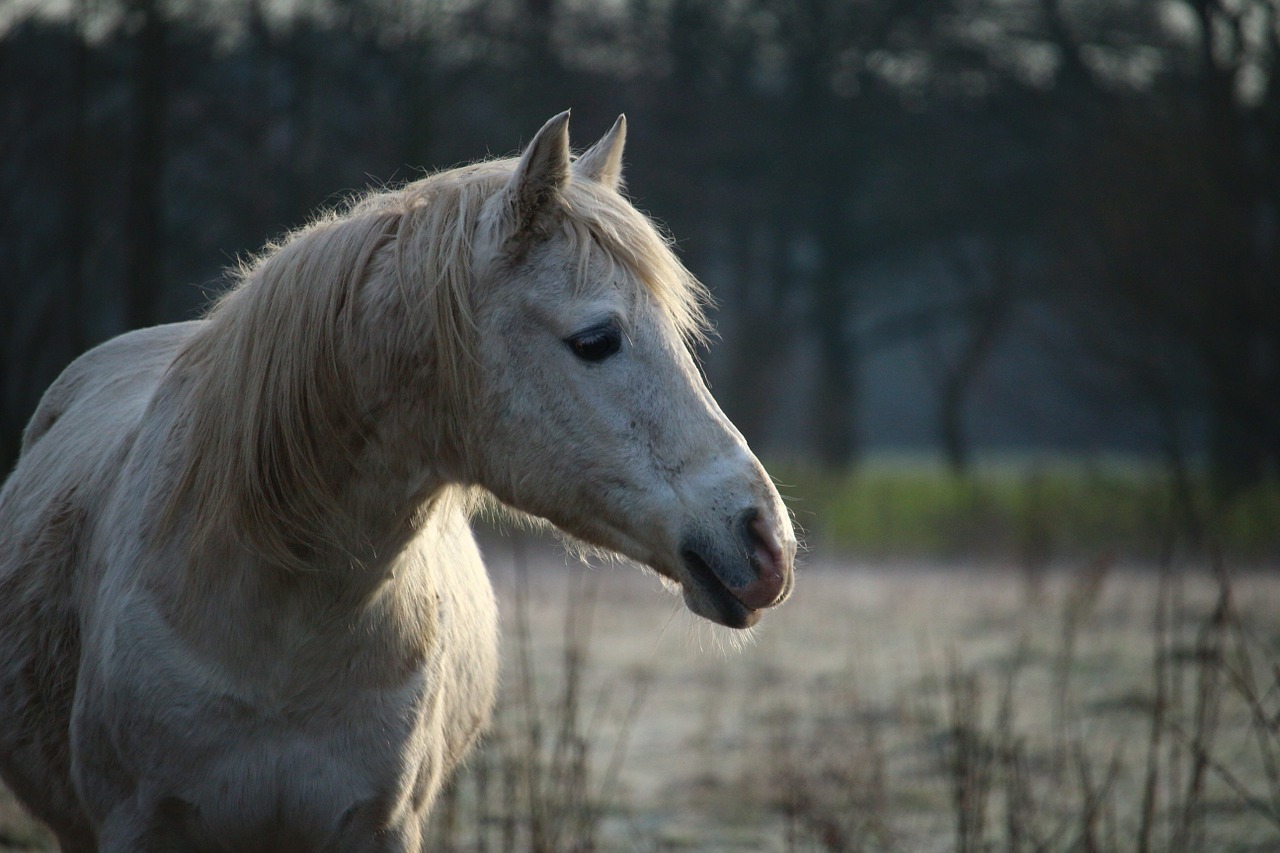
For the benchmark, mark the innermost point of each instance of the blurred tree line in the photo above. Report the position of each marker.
(1092, 185)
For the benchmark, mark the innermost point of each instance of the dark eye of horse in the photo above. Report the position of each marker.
(596, 344)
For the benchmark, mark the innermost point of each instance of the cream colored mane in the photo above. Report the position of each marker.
(273, 369)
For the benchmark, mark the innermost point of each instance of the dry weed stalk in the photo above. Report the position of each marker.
(971, 761)
(532, 786)
(829, 772)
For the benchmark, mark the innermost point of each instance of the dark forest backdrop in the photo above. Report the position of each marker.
(952, 224)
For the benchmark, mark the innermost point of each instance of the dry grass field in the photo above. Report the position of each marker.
(898, 707)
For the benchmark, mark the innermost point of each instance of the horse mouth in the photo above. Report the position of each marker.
(707, 595)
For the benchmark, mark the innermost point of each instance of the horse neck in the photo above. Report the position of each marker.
(391, 487)
(388, 480)
(336, 499)
(227, 594)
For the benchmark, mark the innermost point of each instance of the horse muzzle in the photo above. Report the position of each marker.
(731, 580)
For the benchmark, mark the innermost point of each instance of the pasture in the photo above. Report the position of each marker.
(899, 706)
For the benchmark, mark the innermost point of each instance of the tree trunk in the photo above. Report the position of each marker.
(836, 392)
(836, 429)
(144, 237)
(76, 194)
(988, 316)
(760, 337)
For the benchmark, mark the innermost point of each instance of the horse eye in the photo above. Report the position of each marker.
(596, 344)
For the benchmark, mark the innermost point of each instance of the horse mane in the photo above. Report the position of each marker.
(270, 371)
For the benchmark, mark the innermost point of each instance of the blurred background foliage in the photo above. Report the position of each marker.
(952, 229)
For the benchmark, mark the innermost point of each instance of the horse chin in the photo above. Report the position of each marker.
(706, 595)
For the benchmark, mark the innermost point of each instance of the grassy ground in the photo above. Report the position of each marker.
(1062, 697)
(919, 707)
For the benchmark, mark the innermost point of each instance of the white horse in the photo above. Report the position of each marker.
(240, 605)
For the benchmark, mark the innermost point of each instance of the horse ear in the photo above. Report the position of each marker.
(541, 173)
(602, 162)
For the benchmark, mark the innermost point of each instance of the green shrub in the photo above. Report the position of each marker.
(1026, 510)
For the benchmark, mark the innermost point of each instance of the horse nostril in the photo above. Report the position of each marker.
(765, 554)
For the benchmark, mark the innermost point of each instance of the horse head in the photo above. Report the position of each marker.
(589, 409)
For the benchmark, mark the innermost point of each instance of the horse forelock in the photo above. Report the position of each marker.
(599, 219)
(271, 370)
